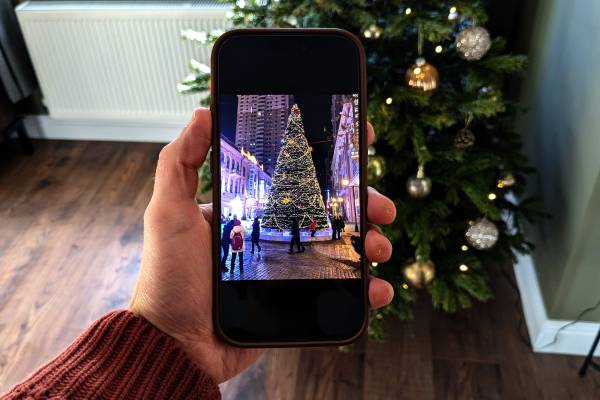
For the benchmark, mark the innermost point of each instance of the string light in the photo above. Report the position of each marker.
(438, 49)
(492, 196)
(374, 264)
(408, 11)
(452, 14)
(463, 268)
(404, 286)
(388, 100)
(464, 247)
(372, 32)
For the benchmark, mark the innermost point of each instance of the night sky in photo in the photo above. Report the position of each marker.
(316, 117)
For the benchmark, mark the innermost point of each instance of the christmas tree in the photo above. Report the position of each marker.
(295, 192)
(445, 127)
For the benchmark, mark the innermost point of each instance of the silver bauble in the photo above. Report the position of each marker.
(419, 186)
(472, 43)
(483, 234)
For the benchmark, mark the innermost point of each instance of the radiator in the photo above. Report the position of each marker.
(118, 61)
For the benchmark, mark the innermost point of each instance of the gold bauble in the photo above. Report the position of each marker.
(375, 168)
(419, 273)
(422, 76)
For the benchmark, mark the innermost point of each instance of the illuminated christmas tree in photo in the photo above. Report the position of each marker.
(295, 190)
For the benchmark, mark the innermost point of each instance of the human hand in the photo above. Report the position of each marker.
(174, 287)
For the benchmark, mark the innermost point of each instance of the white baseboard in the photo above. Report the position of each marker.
(576, 339)
(44, 127)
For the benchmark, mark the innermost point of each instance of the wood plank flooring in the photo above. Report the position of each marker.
(70, 245)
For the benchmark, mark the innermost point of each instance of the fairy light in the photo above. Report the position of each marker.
(463, 267)
(492, 196)
(438, 49)
(452, 14)
(374, 264)
(464, 247)
(408, 11)
(404, 286)
(388, 101)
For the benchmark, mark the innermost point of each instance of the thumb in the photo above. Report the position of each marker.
(176, 176)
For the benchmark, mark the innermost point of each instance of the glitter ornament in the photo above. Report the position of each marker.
(482, 234)
(419, 186)
(464, 138)
(473, 43)
(419, 273)
(422, 76)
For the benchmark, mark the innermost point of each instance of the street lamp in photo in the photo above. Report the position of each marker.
(346, 183)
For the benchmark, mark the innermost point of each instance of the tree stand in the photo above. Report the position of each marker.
(18, 126)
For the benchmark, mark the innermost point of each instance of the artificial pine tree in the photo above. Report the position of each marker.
(295, 190)
(444, 126)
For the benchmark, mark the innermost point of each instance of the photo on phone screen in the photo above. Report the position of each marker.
(290, 188)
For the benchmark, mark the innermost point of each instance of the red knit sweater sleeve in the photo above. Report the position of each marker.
(120, 356)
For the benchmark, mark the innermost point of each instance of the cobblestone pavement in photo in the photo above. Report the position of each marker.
(340, 250)
(274, 262)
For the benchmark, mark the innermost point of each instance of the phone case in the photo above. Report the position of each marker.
(215, 169)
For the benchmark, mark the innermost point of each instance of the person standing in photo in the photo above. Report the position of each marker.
(255, 236)
(296, 238)
(313, 227)
(225, 243)
(340, 226)
(237, 237)
(333, 222)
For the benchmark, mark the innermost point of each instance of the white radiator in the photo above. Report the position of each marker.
(116, 61)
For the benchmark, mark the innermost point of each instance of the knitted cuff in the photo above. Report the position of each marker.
(119, 356)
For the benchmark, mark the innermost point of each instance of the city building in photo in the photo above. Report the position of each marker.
(345, 175)
(244, 183)
(260, 125)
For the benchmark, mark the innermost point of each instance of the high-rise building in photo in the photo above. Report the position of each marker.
(337, 105)
(261, 122)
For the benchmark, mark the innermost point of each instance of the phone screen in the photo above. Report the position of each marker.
(290, 192)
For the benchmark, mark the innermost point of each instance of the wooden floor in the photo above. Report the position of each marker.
(70, 243)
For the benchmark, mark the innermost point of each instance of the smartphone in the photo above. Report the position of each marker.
(289, 187)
